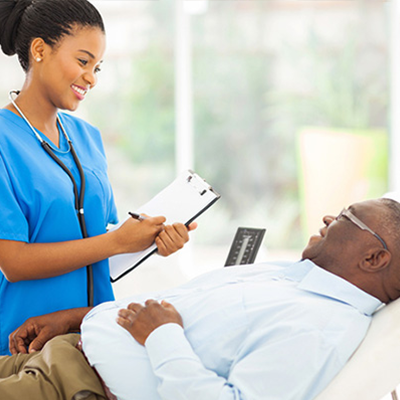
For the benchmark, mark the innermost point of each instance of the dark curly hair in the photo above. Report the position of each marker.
(21, 21)
(391, 220)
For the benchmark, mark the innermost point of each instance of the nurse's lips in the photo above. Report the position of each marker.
(79, 91)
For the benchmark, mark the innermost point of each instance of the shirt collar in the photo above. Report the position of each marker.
(317, 280)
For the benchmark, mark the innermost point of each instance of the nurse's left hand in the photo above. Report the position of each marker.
(173, 238)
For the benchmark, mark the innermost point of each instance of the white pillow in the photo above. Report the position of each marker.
(374, 369)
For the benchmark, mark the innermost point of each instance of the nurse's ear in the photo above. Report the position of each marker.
(38, 50)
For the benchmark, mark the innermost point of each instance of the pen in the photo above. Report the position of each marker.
(136, 216)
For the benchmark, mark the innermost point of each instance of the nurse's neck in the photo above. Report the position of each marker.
(40, 112)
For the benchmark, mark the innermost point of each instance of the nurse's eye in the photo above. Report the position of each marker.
(97, 70)
(82, 61)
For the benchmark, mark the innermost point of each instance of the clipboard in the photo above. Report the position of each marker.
(187, 197)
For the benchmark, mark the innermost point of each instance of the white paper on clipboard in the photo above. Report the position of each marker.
(183, 201)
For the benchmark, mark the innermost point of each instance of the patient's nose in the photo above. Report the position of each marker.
(328, 219)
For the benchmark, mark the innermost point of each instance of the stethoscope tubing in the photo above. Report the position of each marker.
(79, 196)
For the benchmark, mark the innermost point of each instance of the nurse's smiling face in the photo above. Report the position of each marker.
(68, 70)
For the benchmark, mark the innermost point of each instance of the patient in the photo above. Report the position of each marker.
(266, 331)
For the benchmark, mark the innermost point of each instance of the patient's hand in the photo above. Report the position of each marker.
(140, 320)
(33, 334)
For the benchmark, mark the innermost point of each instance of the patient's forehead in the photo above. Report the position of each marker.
(368, 207)
(372, 212)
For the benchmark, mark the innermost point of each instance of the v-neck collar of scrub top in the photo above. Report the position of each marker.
(21, 123)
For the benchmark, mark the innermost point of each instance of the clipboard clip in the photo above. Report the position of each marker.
(198, 183)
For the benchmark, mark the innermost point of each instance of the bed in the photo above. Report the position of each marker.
(373, 371)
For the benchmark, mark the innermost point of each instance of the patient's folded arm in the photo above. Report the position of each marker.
(33, 334)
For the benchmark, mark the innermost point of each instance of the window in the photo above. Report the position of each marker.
(263, 74)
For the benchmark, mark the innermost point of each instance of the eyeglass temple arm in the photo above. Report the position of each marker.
(364, 227)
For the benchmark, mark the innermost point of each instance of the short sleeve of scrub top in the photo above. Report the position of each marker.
(37, 206)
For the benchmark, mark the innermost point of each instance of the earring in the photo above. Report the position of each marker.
(38, 59)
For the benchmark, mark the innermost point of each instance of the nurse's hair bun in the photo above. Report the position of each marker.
(11, 12)
(21, 21)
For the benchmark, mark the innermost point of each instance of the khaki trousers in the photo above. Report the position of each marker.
(58, 372)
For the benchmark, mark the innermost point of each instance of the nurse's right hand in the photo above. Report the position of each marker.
(134, 235)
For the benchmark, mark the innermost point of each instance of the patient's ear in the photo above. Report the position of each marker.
(375, 260)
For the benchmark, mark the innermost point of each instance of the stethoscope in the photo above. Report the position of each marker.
(79, 197)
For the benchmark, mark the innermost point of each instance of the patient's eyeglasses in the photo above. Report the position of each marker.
(351, 217)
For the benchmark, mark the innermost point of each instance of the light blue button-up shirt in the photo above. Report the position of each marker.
(257, 332)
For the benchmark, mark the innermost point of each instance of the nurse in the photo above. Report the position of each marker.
(55, 196)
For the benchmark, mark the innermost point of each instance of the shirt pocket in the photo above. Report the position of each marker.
(99, 195)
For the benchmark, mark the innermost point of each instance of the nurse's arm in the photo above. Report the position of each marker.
(33, 334)
(27, 261)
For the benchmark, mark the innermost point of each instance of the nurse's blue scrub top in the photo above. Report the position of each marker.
(37, 206)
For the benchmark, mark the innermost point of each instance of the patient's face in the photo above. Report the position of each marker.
(341, 240)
